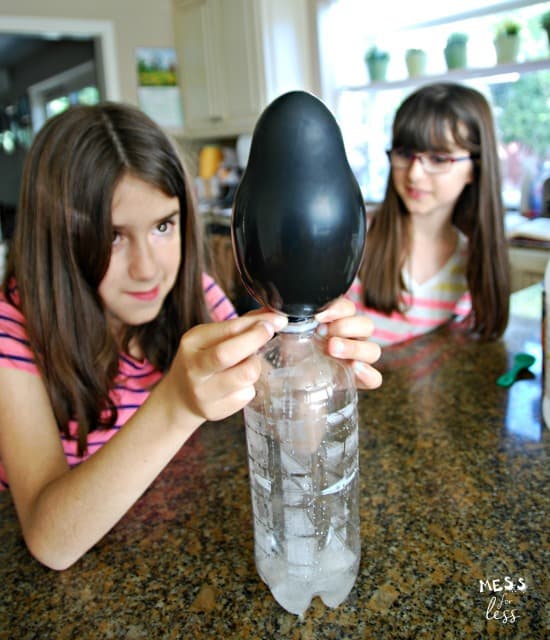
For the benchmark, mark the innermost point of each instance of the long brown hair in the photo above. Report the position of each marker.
(62, 247)
(422, 123)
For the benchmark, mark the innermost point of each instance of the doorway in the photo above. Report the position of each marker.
(44, 62)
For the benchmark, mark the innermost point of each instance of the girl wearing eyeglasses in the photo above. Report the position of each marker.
(436, 248)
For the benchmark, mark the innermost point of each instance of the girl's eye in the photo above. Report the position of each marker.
(165, 227)
(116, 238)
(438, 158)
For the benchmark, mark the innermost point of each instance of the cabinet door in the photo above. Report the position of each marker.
(194, 27)
(219, 65)
(527, 266)
(235, 56)
(240, 65)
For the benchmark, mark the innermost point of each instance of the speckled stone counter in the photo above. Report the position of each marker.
(454, 485)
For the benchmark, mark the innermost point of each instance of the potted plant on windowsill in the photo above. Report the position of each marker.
(507, 41)
(455, 51)
(377, 64)
(415, 60)
(545, 22)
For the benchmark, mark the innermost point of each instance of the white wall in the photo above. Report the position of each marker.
(136, 23)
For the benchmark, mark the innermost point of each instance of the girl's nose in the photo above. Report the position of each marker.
(416, 168)
(142, 263)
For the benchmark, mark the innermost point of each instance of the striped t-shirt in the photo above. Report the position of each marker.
(426, 306)
(132, 384)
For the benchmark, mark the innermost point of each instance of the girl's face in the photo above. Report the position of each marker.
(433, 194)
(146, 253)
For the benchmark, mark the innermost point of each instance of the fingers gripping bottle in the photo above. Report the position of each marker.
(302, 441)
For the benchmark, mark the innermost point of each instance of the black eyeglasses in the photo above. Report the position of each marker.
(431, 161)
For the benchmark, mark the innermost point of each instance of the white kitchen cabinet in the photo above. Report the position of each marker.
(236, 56)
(527, 265)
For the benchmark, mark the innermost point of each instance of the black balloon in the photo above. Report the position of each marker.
(298, 223)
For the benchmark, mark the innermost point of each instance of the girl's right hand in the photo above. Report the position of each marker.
(216, 366)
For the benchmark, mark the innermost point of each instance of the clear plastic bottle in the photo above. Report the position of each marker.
(302, 439)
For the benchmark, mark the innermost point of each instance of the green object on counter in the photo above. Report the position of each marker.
(521, 361)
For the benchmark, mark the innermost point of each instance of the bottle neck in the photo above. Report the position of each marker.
(302, 325)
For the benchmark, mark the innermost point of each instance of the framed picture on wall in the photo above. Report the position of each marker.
(158, 91)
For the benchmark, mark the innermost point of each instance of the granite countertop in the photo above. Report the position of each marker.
(454, 483)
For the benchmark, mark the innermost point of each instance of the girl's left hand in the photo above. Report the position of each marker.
(347, 338)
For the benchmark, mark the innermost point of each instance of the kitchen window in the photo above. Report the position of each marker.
(519, 92)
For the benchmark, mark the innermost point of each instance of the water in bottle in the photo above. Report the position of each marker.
(302, 441)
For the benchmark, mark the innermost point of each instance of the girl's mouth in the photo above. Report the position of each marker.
(415, 194)
(146, 296)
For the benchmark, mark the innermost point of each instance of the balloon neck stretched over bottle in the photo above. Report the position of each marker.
(300, 325)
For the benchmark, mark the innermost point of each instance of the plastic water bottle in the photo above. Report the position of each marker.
(302, 440)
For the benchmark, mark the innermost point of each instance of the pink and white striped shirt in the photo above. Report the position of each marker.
(426, 306)
(133, 382)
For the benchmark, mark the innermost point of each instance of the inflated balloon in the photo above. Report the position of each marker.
(298, 222)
